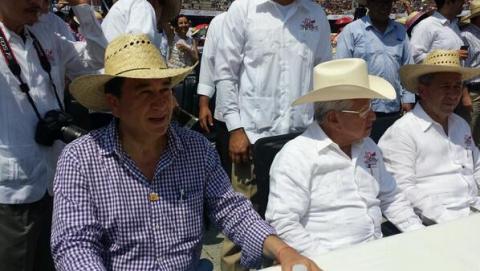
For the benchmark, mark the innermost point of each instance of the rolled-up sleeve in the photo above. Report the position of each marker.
(227, 65)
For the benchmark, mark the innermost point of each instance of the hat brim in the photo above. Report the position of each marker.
(468, 17)
(409, 74)
(171, 8)
(89, 90)
(379, 89)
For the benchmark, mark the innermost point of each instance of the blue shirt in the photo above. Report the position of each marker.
(384, 52)
(108, 216)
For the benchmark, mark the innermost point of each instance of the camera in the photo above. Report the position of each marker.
(57, 125)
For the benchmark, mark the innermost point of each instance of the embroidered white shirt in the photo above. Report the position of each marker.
(320, 199)
(438, 172)
(434, 32)
(265, 62)
(132, 17)
(26, 168)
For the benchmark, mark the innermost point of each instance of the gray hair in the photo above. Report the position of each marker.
(322, 108)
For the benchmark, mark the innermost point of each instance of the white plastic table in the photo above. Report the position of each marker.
(452, 246)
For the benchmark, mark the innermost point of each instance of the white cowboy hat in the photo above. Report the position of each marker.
(128, 56)
(345, 79)
(435, 62)
(474, 10)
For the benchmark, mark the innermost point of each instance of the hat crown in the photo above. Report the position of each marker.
(348, 71)
(474, 6)
(132, 52)
(443, 58)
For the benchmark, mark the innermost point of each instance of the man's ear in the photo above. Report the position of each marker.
(332, 119)
(114, 104)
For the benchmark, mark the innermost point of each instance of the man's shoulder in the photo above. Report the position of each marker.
(189, 138)
(90, 143)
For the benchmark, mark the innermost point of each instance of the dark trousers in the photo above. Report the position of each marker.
(25, 236)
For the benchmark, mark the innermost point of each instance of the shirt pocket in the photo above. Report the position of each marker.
(20, 163)
(189, 215)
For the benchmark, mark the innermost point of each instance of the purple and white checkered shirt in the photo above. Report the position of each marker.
(108, 216)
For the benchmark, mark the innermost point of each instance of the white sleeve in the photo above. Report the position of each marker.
(228, 62)
(206, 85)
(395, 207)
(324, 49)
(289, 199)
(84, 57)
(421, 41)
(399, 153)
(140, 19)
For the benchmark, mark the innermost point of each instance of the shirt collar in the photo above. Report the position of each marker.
(423, 119)
(368, 24)
(437, 15)
(111, 140)
(315, 133)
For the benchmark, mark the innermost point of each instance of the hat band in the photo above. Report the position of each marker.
(137, 69)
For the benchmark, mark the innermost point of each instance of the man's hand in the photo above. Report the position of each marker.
(205, 115)
(407, 107)
(275, 248)
(463, 54)
(239, 146)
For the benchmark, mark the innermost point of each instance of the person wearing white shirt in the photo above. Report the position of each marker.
(430, 151)
(40, 59)
(441, 31)
(206, 81)
(329, 186)
(139, 16)
(206, 90)
(264, 62)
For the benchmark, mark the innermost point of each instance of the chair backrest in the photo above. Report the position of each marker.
(380, 125)
(264, 151)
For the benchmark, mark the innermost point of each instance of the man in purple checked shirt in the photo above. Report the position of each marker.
(131, 196)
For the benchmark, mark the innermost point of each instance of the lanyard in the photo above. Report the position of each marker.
(17, 71)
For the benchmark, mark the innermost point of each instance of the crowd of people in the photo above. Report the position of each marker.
(136, 193)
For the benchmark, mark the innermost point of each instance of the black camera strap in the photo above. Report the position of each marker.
(46, 66)
(17, 71)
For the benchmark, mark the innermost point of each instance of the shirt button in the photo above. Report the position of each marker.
(153, 197)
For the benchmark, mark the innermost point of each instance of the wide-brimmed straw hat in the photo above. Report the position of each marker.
(128, 56)
(345, 79)
(435, 62)
(474, 10)
(170, 9)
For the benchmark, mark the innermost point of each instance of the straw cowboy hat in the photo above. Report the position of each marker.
(345, 79)
(474, 10)
(435, 62)
(129, 56)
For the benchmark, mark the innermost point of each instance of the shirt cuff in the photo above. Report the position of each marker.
(233, 121)
(252, 249)
(205, 90)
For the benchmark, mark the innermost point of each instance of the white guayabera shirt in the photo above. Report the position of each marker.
(321, 200)
(438, 172)
(265, 62)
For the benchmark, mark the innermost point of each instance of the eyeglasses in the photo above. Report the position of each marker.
(363, 113)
